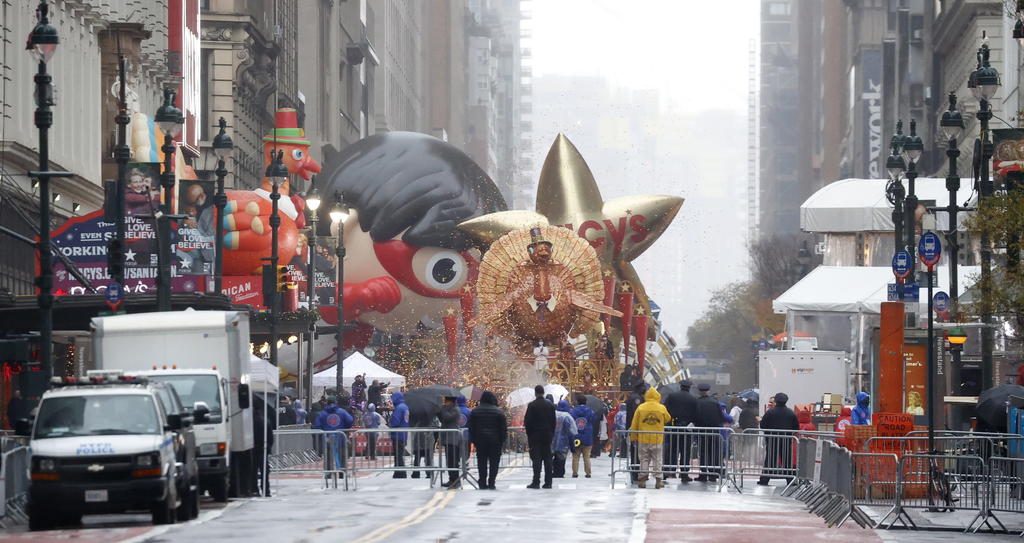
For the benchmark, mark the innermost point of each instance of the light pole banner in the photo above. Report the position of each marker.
(871, 102)
(195, 249)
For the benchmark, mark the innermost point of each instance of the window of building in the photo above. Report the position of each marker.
(778, 8)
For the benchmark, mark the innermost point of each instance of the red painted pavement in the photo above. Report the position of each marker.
(671, 525)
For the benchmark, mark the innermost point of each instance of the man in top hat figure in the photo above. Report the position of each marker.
(247, 231)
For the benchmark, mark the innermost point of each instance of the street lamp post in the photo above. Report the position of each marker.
(42, 43)
(911, 149)
(983, 83)
(313, 204)
(122, 153)
(170, 120)
(952, 125)
(338, 215)
(223, 147)
(894, 192)
(277, 172)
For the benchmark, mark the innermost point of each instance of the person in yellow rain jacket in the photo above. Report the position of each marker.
(650, 416)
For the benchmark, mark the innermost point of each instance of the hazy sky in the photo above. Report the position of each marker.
(669, 45)
(694, 53)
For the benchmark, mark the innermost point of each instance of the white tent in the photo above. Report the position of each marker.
(856, 289)
(263, 374)
(859, 205)
(357, 364)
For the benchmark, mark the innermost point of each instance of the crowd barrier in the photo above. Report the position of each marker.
(14, 468)
(349, 455)
(687, 452)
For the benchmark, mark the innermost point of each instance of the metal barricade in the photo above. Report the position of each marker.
(14, 485)
(515, 453)
(940, 482)
(765, 454)
(294, 448)
(1006, 487)
(686, 452)
(354, 454)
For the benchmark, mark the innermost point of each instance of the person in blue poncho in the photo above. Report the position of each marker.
(399, 419)
(861, 414)
(333, 419)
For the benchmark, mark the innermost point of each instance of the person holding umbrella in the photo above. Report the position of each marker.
(451, 441)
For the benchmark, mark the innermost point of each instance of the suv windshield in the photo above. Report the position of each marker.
(195, 388)
(99, 415)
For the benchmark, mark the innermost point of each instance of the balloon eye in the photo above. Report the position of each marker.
(445, 270)
(297, 154)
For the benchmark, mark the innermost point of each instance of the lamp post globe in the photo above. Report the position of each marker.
(913, 145)
(168, 117)
(895, 166)
(313, 199)
(223, 147)
(339, 213)
(276, 171)
(43, 39)
(952, 123)
(985, 79)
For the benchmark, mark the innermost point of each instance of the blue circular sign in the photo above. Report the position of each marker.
(901, 264)
(940, 302)
(929, 249)
(114, 293)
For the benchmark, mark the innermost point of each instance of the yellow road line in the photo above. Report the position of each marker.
(435, 504)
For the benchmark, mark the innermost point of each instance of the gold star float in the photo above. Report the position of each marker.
(620, 229)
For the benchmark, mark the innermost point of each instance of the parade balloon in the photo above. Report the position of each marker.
(406, 261)
(247, 232)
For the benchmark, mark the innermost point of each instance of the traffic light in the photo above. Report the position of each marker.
(282, 278)
(269, 288)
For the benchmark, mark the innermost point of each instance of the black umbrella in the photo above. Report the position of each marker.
(596, 405)
(992, 403)
(751, 394)
(665, 390)
(425, 403)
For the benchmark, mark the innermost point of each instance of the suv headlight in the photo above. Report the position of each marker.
(46, 465)
(146, 460)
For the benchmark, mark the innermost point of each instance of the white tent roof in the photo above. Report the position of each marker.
(263, 374)
(854, 289)
(357, 364)
(859, 205)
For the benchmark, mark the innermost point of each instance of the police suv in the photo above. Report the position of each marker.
(110, 445)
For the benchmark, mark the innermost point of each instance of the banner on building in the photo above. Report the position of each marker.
(83, 240)
(196, 247)
(871, 102)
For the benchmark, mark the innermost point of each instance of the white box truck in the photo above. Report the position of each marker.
(803, 375)
(205, 356)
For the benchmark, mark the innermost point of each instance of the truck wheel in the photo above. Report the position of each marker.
(220, 490)
(164, 512)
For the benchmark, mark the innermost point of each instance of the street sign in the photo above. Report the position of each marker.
(114, 295)
(941, 302)
(901, 264)
(929, 249)
(911, 293)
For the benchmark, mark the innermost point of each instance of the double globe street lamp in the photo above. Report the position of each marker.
(223, 147)
(170, 121)
(339, 214)
(313, 202)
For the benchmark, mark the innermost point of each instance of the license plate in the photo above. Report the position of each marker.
(95, 495)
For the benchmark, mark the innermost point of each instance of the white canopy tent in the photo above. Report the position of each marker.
(265, 377)
(840, 305)
(856, 289)
(358, 364)
(859, 205)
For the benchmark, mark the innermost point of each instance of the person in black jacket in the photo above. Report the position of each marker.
(450, 440)
(540, 430)
(709, 442)
(488, 428)
(682, 406)
(779, 452)
(636, 397)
